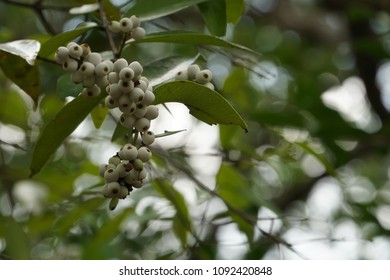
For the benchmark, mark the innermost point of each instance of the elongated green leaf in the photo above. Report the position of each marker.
(21, 73)
(205, 104)
(26, 49)
(65, 87)
(51, 45)
(186, 37)
(214, 14)
(98, 115)
(164, 69)
(151, 9)
(234, 10)
(61, 127)
(18, 247)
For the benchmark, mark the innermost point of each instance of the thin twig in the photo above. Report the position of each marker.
(111, 41)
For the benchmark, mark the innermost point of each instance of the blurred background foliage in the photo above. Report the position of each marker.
(309, 180)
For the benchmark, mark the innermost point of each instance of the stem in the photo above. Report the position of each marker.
(103, 16)
(38, 7)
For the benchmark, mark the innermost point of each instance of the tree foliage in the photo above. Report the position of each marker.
(289, 152)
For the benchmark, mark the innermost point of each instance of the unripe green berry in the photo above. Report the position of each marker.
(113, 203)
(125, 25)
(138, 164)
(204, 76)
(148, 138)
(144, 154)
(138, 33)
(111, 175)
(192, 71)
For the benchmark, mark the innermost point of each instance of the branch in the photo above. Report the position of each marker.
(38, 7)
(103, 16)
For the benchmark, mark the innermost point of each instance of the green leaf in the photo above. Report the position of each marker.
(21, 73)
(214, 14)
(119, 132)
(65, 87)
(164, 69)
(98, 115)
(51, 45)
(234, 10)
(17, 242)
(26, 49)
(151, 9)
(205, 104)
(61, 127)
(186, 37)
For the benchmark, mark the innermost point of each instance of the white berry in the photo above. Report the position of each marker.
(144, 154)
(148, 137)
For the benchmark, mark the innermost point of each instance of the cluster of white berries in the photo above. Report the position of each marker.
(195, 74)
(131, 93)
(85, 67)
(129, 26)
(125, 170)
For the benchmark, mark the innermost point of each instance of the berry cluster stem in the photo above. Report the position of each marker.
(116, 53)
